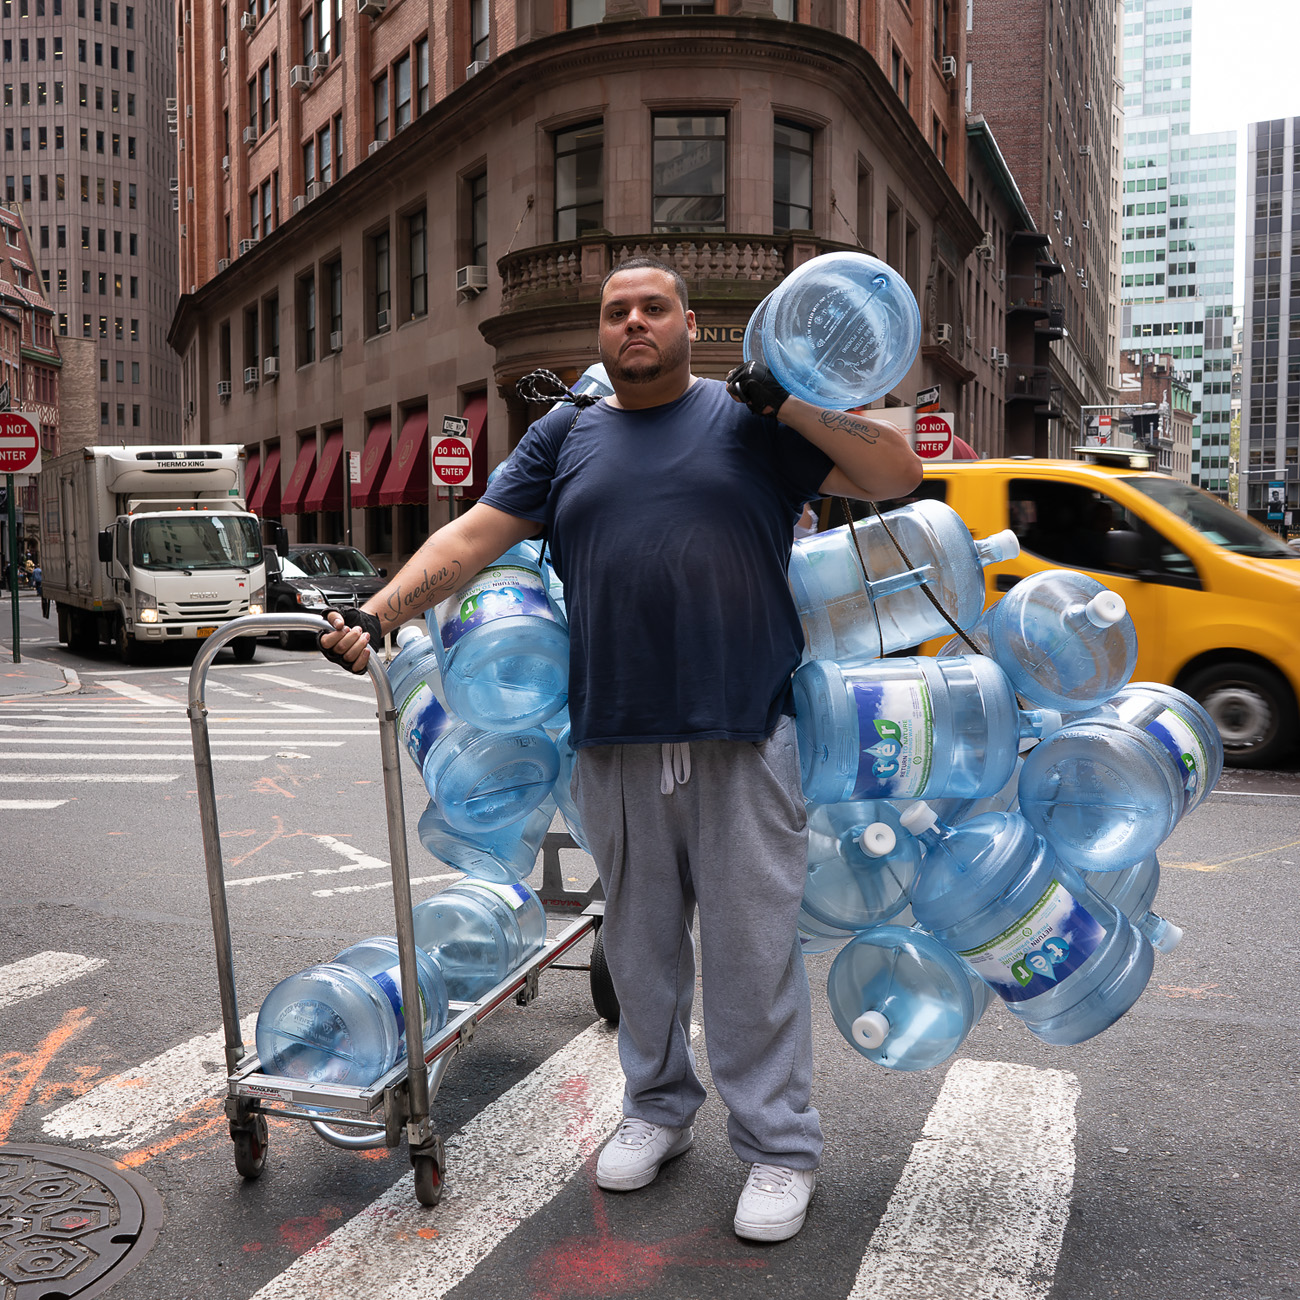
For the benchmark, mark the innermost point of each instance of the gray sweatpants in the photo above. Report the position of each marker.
(730, 838)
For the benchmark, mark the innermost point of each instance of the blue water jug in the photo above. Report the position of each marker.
(993, 892)
(502, 646)
(479, 932)
(1065, 641)
(851, 618)
(1104, 793)
(861, 864)
(479, 780)
(909, 727)
(563, 796)
(1133, 891)
(1181, 725)
(1007, 799)
(839, 331)
(504, 855)
(902, 999)
(342, 1021)
(815, 936)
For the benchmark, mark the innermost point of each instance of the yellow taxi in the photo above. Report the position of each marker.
(1214, 597)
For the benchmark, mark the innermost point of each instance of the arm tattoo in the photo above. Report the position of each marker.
(849, 424)
(402, 602)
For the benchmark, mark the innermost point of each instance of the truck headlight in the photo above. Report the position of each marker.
(146, 608)
(257, 601)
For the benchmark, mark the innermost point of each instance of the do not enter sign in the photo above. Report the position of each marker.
(453, 462)
(20, 443)
(934, 436)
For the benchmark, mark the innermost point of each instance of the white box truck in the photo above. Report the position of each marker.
(146, 545)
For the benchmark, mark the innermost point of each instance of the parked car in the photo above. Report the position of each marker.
(1214, 597)
(312, 579)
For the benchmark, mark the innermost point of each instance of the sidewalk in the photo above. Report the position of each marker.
(32, 675)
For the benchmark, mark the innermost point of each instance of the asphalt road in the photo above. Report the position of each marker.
(1157, 1160)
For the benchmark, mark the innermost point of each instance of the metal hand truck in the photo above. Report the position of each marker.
(400, 1100)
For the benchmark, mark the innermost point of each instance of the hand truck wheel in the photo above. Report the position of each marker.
(603, 997)
(250, 1146)
(429, 1164)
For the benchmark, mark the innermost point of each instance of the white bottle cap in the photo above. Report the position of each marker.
(409, 632)
(870, 1030)
(878, 839)
(1168, 937)
(919, 817)
(1004, 545)
(1105, 608)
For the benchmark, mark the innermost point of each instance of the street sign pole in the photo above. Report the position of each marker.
(13, 560)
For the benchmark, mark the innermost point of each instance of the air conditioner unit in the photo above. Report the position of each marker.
(271, 367)
(994, 354)
(375, 145)
(189, 194)
(943, 334)
(170, 104)
(476, 67)
(189, 17)
(984, 249)
(381, 322)
(225, 163)
(1068, 241)
(248, 22)
(176, 202)
(250, 135)
(949, 66)
(173, 183)
(1087, 225)
(222, 55)
(1002, 276)
(1002, 360)
(1086, 150)
(315, 189)
(189, 110)
(318, 60)
(1080, 272)
(336, 340)
(223, 390)
(471, 279)
(371, 8)
(300, 76)
(250, 377)
(1058, 216)
(246, 246)
(223, 264)
(1083, 284)
(299, 202)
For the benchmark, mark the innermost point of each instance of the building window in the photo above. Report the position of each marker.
(478, 31)
(670, 8)
(307, 318)
(334, 287)
(583, 13)
(326, 157)
(690, 173)
(309, 162)
(380, 266)
(402, 92)
(268, 209)
(792, 178)
(579, 180)
(422, 75)
(478, 220)
(381, 107)
(417, 251)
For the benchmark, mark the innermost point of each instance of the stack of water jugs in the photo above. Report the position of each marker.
(482, 712)
(1030, 875)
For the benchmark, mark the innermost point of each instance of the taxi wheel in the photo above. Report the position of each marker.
(1253, 708)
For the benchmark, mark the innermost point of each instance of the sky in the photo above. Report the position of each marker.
(1244, 69)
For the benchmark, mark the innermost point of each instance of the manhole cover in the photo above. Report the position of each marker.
(71, 1223)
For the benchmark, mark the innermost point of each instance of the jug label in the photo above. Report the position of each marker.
(421, 720)
(1051, 941)
(896, 735)
(1174, 732)
(390, 983)
(515, 895)
(499, 591)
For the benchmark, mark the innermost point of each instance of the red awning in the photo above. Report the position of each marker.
(374, 464)
(296, 488)
(476, 413)
(962, 450)
(265, 502)
(250, 472)
(407, 480)
(327, 487)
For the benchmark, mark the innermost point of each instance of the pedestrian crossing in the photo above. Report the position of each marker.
(979, 1210)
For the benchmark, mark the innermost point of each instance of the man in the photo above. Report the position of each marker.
(669, 511)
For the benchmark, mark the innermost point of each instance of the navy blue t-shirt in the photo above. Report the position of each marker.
(671, 529)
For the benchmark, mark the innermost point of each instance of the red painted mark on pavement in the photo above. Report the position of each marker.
(307, 1229)
(20, 1072)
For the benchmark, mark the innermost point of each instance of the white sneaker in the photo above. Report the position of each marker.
(632, 1157)
(775, 1200)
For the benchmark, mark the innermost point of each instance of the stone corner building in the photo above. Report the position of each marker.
(398, 212)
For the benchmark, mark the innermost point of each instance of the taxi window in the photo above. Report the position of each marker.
(1081, 528)
(929, 489)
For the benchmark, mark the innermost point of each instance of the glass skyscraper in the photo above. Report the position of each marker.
(1178, 213)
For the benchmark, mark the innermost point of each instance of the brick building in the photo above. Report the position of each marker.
(1157, 409)
(398, 213)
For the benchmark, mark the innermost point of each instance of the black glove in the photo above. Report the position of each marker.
(367, 622)
(754, 384)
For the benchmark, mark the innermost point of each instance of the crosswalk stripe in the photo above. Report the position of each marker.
(213, 739)
(130, 1109)
(117, 758)
(982, 1204)
(360, 730)
(141, 696)
(42, 971)
(99, 778)
(503, 1167)
(30, 805)
(314, 690)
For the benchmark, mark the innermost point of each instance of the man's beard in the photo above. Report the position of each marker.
(677, 352)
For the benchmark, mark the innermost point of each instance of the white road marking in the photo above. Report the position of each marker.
(214, 738)
(117, 758)
(361, 730)
(129, 1110)
(141, 696)
(982, 1204)
(384, 884)
(357, 860)
(1254, 794)
(42, 971)
(48, 778)
(30, 805)
(315, 690)
(503, 1167)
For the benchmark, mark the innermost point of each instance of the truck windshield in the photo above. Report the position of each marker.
(195, 541)
(1213, 520)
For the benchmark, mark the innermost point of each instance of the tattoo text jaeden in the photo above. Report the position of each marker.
(403, 602)
(849, 424)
